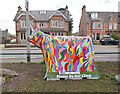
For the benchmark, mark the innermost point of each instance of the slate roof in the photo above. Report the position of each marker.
(105, 16)
(36, 14)
(3, 33)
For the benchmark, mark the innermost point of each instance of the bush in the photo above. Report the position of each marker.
(115, 36)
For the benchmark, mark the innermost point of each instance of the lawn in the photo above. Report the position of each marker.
(31, 79)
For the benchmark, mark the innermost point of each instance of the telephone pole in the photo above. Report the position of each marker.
(27, 30)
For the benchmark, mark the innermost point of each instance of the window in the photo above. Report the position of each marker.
(52, 23)
(44, 24)
(52, 34)
(22, 23)
(93, 36)
(43, 12)
(93, 25)
(115, 25)
(21, 36)
(25, 23)
(98, 36)
(61, 34)
(59, 23)
(55, 23)
(24, 36)
(98, 25)
(94, 15)
(62, 24)
(110, 25)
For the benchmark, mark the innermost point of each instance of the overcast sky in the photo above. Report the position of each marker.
(8, 9)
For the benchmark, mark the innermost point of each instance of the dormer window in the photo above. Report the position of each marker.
(43, 12)
(94, 15)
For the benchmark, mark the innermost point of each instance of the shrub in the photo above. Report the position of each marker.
(115, 36)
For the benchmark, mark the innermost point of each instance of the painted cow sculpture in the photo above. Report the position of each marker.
(65, 53)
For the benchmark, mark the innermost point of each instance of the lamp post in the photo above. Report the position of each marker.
(27, 30)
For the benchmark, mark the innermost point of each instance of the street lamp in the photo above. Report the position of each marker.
(27, 30)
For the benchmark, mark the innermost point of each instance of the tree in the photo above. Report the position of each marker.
(115, 36)
(70, 26)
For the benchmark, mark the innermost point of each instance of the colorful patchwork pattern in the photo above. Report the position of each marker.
(65, 53)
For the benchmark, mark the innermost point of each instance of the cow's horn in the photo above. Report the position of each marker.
(32, 28)
(38, 28)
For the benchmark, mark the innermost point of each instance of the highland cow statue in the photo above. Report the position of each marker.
(65, 53)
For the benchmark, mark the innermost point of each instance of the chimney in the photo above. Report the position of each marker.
(66, 8)
(119, 6)
(19, 9)
(6, 30)
(83, 9)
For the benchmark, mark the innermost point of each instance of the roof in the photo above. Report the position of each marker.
(3, 33)
(44, 15)
(105, 16)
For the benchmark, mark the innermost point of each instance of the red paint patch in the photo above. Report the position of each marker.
(66, 66)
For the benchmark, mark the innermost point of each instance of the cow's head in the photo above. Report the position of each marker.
(35, 37)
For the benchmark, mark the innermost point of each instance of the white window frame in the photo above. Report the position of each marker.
(110, 25)
(22, 23)
(115, 25)
(98, 25)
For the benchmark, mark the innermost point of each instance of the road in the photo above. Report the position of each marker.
(39, 58)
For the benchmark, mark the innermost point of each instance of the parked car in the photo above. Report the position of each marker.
(13, 41)
(108, 40)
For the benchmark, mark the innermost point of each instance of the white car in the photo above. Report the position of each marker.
(13, 41)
